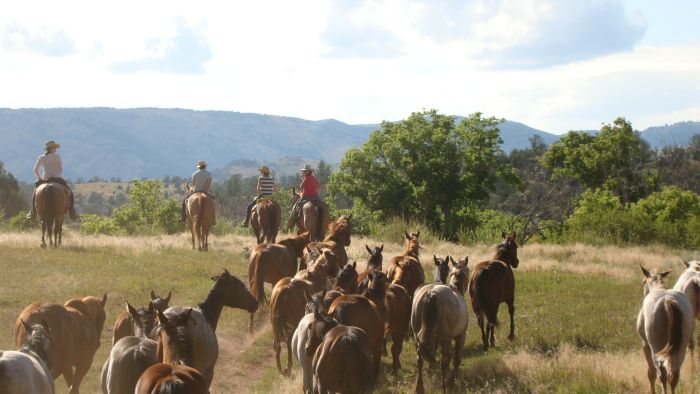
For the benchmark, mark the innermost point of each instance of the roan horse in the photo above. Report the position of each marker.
(689, 284)
(75, 333)
(139, 322)
(406, 270)
(665, 324)
(52, 201)
(314, 217)
(438, 316)
(271, 262)
(171, 379)
(129, 357)
(492, 283)
(265, 220)
(27, 371)
(200, 217)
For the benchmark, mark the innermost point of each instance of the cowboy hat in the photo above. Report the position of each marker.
(264, 169)
(306, 168)
(52, 144)
(201, 163)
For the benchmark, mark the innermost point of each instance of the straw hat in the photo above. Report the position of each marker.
(201, 164)
(52, 144)
(264, 169)
(306, 168)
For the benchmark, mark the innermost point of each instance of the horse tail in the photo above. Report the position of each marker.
(675, 330)
(270, 231)
(319, 222)
(257, 285)
(277, 305)
(429, 319)
(481, 301)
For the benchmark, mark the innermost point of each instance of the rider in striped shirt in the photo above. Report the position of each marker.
(266, 187)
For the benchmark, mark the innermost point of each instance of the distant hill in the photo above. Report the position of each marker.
(151, 142)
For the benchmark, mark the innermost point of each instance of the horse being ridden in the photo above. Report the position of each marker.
(27, 371)
(308, 211)
(665, 324)
(200, 217)
(492, 283)
(52, 167)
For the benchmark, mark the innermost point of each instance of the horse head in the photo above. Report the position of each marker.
(160, 303)
(341, 229)
(692, 265)
(507, 251)
(231, 292)
(375, 257)
(174, 343)
(143, 318)
(318, 328)
(39, 340)
(459, 274)
(378, 283)
(652, 280)
(442, 269)
(347, 278)
(315, 304)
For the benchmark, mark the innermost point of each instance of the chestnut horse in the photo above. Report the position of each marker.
(27, 371)
(492, 283)
(287, 303)
(171, 379)
(359, 311)
(75, 333)
(374, 263)
(314, 217)
(200, 217)
(317, 273)
(52, 200)
(271, 262)
(341, 361)
(406, 270)
(439, 315)
(139, 322)
(265, 220)
(338, 238)
(394, 303)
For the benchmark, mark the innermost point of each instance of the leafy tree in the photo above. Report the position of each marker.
(145, 196)
(11, 201)
(616, 159)
(425, 168)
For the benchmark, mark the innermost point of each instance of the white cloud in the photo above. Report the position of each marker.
(45, 41)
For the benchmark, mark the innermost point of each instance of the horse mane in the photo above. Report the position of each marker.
(412, 248)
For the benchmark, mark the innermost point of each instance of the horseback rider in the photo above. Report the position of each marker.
(50, 163)
(266, 187)
(201, 182)
(308, 190)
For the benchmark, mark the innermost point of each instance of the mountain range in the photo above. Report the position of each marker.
(154, 142)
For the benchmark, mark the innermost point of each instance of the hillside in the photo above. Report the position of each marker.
(151, 142)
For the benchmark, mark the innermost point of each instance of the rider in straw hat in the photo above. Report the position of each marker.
(201, 182)
(266, 187)
(50, 164)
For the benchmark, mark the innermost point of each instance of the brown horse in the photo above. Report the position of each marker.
(338, 238)
(492, 283)
(287, 303)
(52, 202)
(200, 217)
(171, 379)
(139, 322)
(271, 262)
(265, 220)
(75, 333)
(406, 270)
(345, 283)
(314, 217)
(374, 263)
(317, 274)
(359, 311)
(341, 362)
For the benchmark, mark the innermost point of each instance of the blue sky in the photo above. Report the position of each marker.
(552, 64)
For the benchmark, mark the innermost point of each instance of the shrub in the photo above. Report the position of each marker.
(19, 222)
(393, 230)
(95, 224)
(168, 216)
(489, 226)
(127, 217)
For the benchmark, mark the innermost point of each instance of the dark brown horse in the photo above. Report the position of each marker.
(492, 283)
(271, 262)
(52, 203)
(171, 379)
(287, 303)
(75, 333)
(345, 283)
(341, 361)
(265, 219)
(139, 322)
(374, 263)
(338, 238)
(314, 218)
(394, 303)
(406, 270)
(442, 269)
(359, 311)
(200, 218)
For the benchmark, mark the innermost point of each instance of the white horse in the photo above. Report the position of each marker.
(26, 371)
(129, 357)
(299, 339)
(665, 324)
(439, 314)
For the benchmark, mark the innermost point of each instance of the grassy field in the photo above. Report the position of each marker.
(576, 308)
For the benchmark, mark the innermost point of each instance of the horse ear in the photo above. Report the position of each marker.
(664, 274)
(27, 327)
(454, 263)
(188, 316)
(104, 300)
(418, 234)
(350, 216)
(368, 249)
(436, 260)
(503, 234)
(466, 260)
(513, 235)
(381, 248)
(131, 310)
(167, 299)
(150, 307)
(645, 272)
(354, 265)
(226, 271)
(153, 295)
(405, 233)
(686, 264)
(294, 192)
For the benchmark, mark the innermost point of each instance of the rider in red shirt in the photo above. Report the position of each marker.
(308, 190)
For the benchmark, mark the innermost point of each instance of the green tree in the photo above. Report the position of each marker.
(616, 159)
(11, 201)
(425, 168)
(146, 196)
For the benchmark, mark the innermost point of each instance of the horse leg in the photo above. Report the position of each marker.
(68, 376)
(58, 232)
(209, 375)
(278, 349)
(251, 323)
(484, 338)
(81, 369)
(193, 234)
(396, 348)
(492, 318)
(445, 363)
(651, 367)
(663, 374)
(459, 344)
(43, 234)
(511, 312)
(420, 389)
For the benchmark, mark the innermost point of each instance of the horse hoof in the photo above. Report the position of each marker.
(511, 337)
(43, 246)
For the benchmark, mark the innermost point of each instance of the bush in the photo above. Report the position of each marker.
(95, 224)
(168, 216)
(393, 230)
(19, 222)
(489, 226)
(127, 218)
